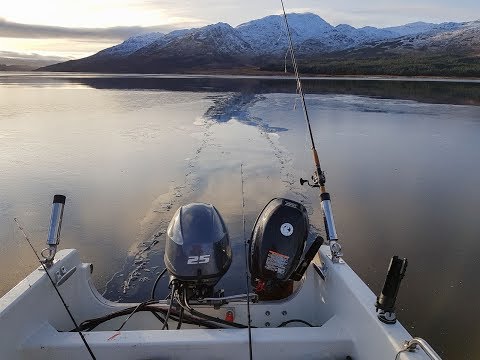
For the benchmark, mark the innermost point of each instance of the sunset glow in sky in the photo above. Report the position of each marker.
(73, 29)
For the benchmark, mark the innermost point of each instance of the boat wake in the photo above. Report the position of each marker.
(124, 285)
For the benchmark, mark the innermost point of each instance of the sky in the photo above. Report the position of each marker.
(61, 29)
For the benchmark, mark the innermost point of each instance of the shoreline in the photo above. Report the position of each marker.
(241, 75)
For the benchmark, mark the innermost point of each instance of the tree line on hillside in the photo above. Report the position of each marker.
(402, 65)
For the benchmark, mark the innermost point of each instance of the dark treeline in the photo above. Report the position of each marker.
(401, 65)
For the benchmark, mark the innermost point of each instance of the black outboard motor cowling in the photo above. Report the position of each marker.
(278, 239)
(197, 250)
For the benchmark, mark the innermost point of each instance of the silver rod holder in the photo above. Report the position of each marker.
(335, 247)
(328, 213)
(53, 238)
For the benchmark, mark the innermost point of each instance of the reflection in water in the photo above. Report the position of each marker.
(128, 151)
(435, 91)
(236, 106)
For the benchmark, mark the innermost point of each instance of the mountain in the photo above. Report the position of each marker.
(423, 27)
(214, 46)
(363, 35)
(267, 35)
(131, 45)
(262, 44)
(449, 37)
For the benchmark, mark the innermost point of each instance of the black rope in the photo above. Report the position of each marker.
(77, 329)
(170, 307)
(156, 283)
(131, 314)
(194, 312)
(179, 325)
(159, 318)
(89, 325)
(295, 320)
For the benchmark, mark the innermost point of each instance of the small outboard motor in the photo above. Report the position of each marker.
(197, 250)
(276, 246)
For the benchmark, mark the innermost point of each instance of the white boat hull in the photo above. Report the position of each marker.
(35, 325)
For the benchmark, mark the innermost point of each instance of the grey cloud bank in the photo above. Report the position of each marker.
(10, 29)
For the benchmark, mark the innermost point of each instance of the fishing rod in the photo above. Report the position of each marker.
(318, 177)
(52, 241)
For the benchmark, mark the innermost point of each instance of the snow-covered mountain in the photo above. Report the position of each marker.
(452, 38)
(219, 38)
(132, 44)
(212, 46)
(421, 27)
(268, 35)
(222, 46)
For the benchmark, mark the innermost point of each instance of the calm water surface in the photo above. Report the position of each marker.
(402, 162)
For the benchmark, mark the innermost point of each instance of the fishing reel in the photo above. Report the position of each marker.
(316, 180)
(315, 184)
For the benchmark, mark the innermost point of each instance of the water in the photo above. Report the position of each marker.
(401, 159)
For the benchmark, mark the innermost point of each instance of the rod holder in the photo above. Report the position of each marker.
(307, 259)
(332, 238)
(385, 304)
(53, 238)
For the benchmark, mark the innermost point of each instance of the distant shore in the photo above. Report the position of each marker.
(258, 74)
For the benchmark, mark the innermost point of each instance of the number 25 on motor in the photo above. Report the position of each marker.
(202, 259)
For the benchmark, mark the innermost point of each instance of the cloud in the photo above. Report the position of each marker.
(31, 60)
(32, 56)
(376, 13)
(211, 11)
(10, 29)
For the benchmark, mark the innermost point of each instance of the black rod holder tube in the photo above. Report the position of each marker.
(309, 255)
(387, 298)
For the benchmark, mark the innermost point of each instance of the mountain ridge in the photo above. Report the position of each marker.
(260, 42)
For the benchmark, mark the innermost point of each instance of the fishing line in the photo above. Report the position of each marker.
(77, 329)
(247, 277)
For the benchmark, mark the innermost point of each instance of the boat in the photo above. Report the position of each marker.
(301, 300)
(327, 313)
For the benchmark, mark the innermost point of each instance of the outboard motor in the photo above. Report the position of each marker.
(276, 246)
(197, 250)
